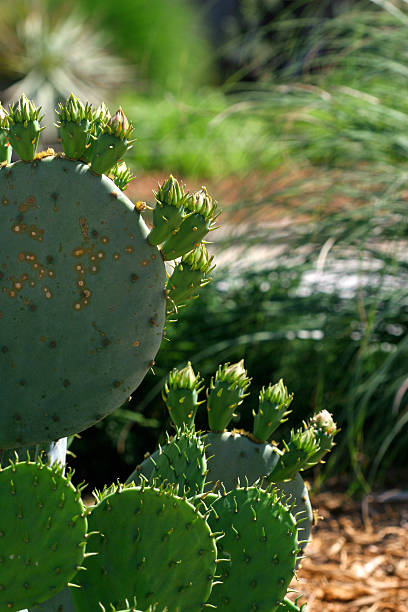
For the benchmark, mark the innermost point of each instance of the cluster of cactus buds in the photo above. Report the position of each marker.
(181, 220)
(92, 136)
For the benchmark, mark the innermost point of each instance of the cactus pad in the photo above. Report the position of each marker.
(182, 462)
(295, 492)
(42, 531)
(152, 545)
(82, 303)
(235, 459)
(261, 542)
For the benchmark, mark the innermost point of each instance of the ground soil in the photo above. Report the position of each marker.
(357, 560)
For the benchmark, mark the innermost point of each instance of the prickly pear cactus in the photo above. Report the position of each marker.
(236, 459)
(260, 535)
(151, 544)
(182, 462)
(42, 534)
(81, 299)
(82, 280)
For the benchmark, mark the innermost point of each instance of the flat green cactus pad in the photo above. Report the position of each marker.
(261, 542)
(42, 534)
(82, 303)
(152, 545)
(182, 462)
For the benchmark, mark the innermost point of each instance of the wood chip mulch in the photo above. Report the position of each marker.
(357, 560)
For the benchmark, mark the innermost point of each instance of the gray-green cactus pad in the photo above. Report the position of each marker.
(261, 542)
(235, 459)
(82, 303)
(152, 545)
(182, 462)
(42, 534)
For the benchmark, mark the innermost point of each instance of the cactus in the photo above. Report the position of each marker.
(82, 291)
(175, 539)
(40, 510)
(167, 551)
(226, 392)
(180, 394)
(5, 147)
(206, 521)
(260, 540)
(182, 462)
(74, 122)
(189, 275)
(24, 127)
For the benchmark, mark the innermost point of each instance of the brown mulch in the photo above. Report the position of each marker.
(357, 560)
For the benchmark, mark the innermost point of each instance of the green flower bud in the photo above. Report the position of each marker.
(227, 391)
(112, 141)
(299, 454)
(180, 395)
(324, 428)
(169, 210)
(189, 276)
(273, 404)
(121, 176)
(24, 131)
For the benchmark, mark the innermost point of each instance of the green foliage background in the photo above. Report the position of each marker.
(279, 89)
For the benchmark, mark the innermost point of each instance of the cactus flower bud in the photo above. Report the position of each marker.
(112, 141)
(169, 210)
(74, 121)
(24, 131)
(180, 395)
(299, 454)
(273, 404)
(227, 391)
(121, 176)
(189, 276)
(324, 429)
(194, 227)
(119, 125)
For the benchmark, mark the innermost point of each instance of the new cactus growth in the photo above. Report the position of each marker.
(180, 393)
(121, 175)
(168, 213)
(24, 127)
(5, 147)
(273, 404)
(189, 275)
(112, 143)
(199, 220)
(227, 391)
(74, 121)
